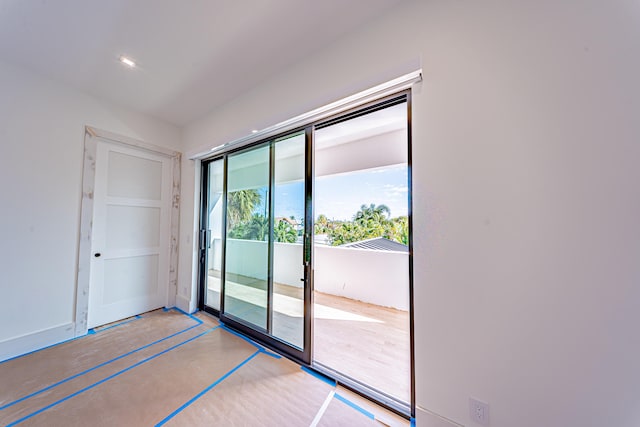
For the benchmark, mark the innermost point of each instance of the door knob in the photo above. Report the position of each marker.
(97, 254)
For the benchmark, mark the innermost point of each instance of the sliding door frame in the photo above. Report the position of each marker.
(350, 383)
(305, 357)
(264, 336)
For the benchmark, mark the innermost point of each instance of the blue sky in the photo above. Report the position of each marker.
(339, 197)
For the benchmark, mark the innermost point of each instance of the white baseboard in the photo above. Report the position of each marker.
(35, 341)
(426, 418)
(185, 304)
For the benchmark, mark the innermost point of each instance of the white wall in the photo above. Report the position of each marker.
(287, 264)
(525, 136)
(247, 258)
(42, 135)
(376, 277)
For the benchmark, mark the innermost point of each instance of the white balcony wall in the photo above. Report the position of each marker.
(375, 277)
(246, 258)
(287, 264)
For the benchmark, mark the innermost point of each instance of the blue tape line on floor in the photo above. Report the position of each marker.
(122, 371)
(206, 390)
(319, 376)
(43, 348)
(354, 406)
(253, 343)
(89, 332)
(35, 393)
(186, 314)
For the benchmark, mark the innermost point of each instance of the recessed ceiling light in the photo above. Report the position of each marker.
(127, 61)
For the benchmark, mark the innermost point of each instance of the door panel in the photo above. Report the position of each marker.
(130, 233)
(288, 219)
(261, 194)
(247, 243)
(212, 233)
(362, 282)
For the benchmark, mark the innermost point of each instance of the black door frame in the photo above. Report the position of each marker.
(262, 335)
(305, 357)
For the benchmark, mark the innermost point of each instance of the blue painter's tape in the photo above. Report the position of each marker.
(43, 348)
(97, 383)
(253, 343)
(186, 314)
(42, 390)
(270, 353)
(319, 376)
(89, 332)
(354, 406)
(413, 422)
(206, 390)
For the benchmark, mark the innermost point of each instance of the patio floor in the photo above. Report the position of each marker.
(363, 341)
(373, 347)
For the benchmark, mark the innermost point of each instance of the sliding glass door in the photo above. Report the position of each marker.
(246, 264)
(211, 234)
(257, 278)
(306, 246)
(288, 240)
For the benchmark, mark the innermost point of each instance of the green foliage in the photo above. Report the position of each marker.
(240, 206)
(322, 225)
(284, 232)
(400, 230)
(257, 228)
(347, 232)
(369, 222)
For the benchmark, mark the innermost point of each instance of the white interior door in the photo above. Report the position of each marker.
(131, 232)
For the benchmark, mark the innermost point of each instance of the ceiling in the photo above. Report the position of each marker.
(193, 55)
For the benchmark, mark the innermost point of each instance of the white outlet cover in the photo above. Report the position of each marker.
(479, 411)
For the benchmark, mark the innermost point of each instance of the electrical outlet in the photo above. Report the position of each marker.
(479, 411)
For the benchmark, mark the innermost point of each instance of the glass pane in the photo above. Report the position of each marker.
(288, 217)
(134, 177)
(361, 254)
(214, 221)
(247, 246)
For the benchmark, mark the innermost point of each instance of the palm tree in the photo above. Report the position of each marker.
(284, 232)
(258, 228)
(240, 206)
(379, 214)
(322, 224)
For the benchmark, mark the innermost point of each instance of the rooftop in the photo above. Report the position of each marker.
(378, 244)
